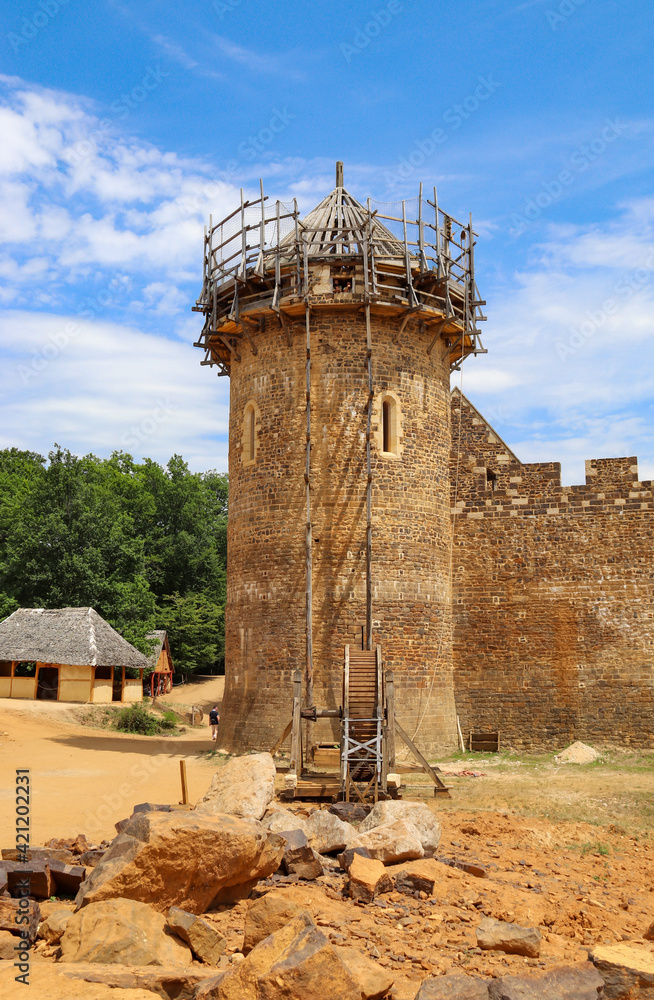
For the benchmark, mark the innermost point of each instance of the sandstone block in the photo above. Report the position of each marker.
(297, 962)
(122, 931)
(327, 833)
(345, 857)
(166, 982)
(52, 928)
(368, 877)
(579, 982)
(498, 935)
(8, 942)
(67, 878)
(244, 786)
(36, 876)
(267, 915)
(415, 876)
(398, 841)
(419, 814)
(302, 861)
(350, 812)
(627, 970)
(454, 987)
(203, 939)
(9, 910)
(183, 859)
(374, 981)
(279, 820)
(649, 933)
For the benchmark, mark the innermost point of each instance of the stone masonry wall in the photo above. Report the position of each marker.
(265, 614)
(553, 596)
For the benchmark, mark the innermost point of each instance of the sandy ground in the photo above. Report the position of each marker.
(85, 780)
(565, 848)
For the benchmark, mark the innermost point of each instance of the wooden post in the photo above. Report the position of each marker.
(309, 564)
(182, 773)
(368, 484)
(390, 717)
(295, 766)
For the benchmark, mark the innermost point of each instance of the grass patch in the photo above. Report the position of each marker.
(137, 719)
(134, 719)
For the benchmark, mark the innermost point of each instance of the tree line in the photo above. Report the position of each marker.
(144, 545)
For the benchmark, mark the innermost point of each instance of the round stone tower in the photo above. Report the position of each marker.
(338, 333)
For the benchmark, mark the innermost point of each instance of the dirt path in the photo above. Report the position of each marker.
(84, 780)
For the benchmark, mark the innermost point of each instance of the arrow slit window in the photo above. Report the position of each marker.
(250, 439)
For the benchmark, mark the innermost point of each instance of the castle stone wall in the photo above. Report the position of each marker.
(553, 596)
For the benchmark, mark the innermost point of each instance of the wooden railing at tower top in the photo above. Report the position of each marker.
(260, 255)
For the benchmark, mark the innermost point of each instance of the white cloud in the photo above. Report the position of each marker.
(100, 386)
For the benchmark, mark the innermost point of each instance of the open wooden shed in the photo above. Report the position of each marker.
(161, 678)
(67, 654)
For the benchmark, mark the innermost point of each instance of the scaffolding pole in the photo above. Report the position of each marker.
(309, 569)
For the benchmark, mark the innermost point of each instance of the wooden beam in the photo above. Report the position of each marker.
(295, 766)
(419, 757)
(439, 329)
(281, 739)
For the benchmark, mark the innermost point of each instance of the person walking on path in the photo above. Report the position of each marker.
(214, 722)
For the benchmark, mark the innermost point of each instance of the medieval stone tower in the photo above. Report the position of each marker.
(338, 332)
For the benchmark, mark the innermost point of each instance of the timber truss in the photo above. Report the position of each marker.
(413, 261)
(367, 746)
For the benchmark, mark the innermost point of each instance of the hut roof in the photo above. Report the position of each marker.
(78, 636)
(340, 224)
(159, 638)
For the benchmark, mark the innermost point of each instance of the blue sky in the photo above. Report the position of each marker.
(124, 125)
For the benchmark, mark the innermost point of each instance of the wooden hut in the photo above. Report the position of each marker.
(161, 678)
(67, 654)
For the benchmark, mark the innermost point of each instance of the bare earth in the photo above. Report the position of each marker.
(566, 848)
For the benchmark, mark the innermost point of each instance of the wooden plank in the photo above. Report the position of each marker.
(416, 753)
(281, 739)
(295, 766)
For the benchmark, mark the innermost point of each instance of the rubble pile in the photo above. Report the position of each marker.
(240, 898)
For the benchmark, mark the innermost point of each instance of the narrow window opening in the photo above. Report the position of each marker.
(251, 434)
(386, 426)
(249, 452)
(491, 479)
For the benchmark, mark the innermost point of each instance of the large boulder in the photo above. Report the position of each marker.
(327, 833)
(267, 915)
(627, 970)
(203, 939)
(297, 962)
(122, 931)
(244, 786)
(498, 935)
(183, 859)
(398, 841)
(419, 814)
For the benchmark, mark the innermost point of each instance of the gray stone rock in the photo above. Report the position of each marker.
(303, 862)
(419, 814)
(350, 812)
(497, 935)
(395, 842)
(575, 982)
(244, 786)
(327, 833)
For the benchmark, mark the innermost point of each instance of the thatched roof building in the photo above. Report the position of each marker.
(71, 654)
(66, 635)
